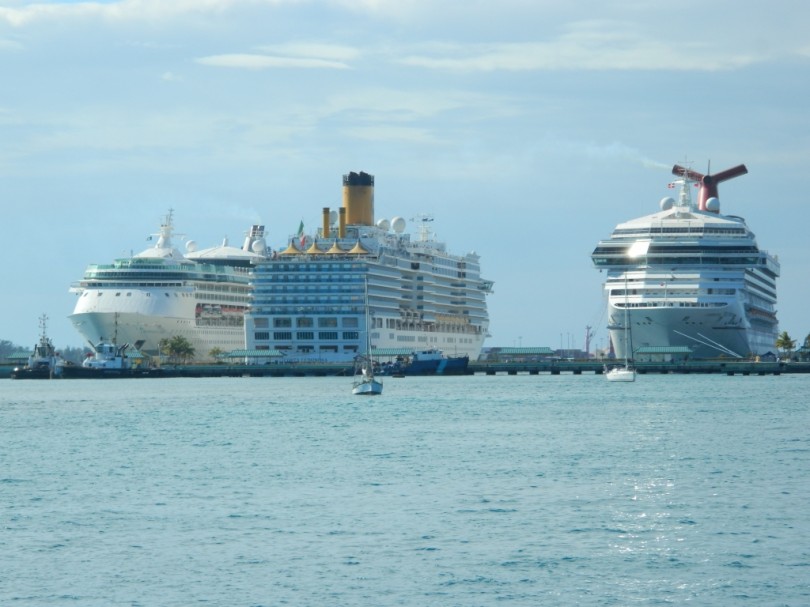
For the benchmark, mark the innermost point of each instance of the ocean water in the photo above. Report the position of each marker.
(470, 491)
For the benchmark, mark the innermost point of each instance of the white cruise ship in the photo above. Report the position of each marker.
(161, 293)
(309, 301)
(690, 277)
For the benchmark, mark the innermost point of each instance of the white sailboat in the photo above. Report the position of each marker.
(627, 372)
(365, 384)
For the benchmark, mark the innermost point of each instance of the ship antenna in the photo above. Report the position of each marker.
(424, 229)
(43, 324)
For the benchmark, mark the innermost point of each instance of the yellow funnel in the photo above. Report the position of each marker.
(358, 198)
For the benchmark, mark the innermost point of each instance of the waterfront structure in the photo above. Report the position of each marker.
(309, 299)
(161, 293)
(689, 276)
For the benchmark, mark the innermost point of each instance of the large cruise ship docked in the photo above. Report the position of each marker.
(161, 293)
(690, 276)
(309, 300)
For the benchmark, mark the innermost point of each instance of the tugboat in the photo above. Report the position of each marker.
(428, 362)
(44, 361)
(107, 360)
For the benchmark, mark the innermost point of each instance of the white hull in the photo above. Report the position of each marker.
(367, 387)
(621, 374)
(143, 317)
(450, 344)
(137, 327)
(708, 332)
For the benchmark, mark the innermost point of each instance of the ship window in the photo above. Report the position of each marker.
(350, 322)
(261, 335)
(351, 335)
(304, 322)
(129, 294)
(285, 335)
(260, 323)
(282, 323)
(305, 335)
(328, 335)
(327, 322)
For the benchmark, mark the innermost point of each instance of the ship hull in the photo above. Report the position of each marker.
(40, 372)
(707, 332)
(146, 330)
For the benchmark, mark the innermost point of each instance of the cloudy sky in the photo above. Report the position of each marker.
(527, 128)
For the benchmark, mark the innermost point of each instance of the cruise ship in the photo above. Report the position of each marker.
(690, 277)
(309, 300)
(160, 293)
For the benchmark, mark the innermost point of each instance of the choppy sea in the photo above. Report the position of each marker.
(458, 491)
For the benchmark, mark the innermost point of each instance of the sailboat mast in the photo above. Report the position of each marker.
(627, 337)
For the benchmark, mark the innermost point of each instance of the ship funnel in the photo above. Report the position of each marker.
(325, 222)
(341, 223)
(709, 183)
(358, 198)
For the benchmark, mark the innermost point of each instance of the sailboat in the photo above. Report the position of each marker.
(365, 384)
(627, 372)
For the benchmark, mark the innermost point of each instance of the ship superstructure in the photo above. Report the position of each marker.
(309, 300)
(161, 293)
(690, 276)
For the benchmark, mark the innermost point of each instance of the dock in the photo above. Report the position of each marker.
(576, 367)
(552, 367)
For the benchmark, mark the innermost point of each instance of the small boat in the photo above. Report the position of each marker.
(365, 384)
(627, 372)
(427, 362)
(44, 361)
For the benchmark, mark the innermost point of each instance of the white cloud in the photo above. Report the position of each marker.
(317, 50)
(260, 62)
(126, 10)
(392, 134)
(10, 45)
(590, 45)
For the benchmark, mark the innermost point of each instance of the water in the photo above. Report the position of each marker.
(473, 491)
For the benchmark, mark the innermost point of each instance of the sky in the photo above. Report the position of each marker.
(526, 128)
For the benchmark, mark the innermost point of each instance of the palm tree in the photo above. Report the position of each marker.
(785, 343)
(178, 348)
